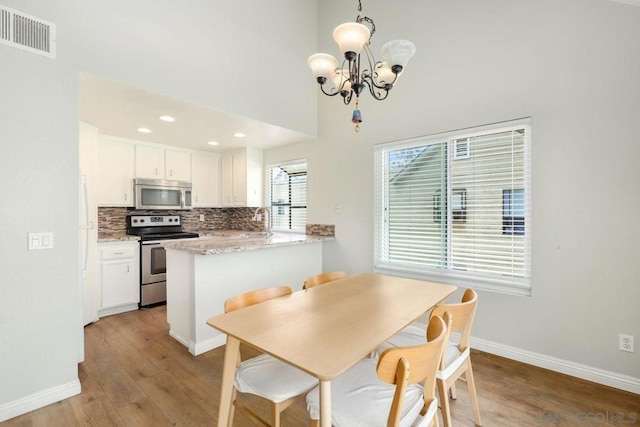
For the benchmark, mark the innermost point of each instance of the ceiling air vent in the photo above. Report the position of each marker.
(26, 32)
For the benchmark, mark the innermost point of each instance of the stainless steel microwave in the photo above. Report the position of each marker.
(161, 194)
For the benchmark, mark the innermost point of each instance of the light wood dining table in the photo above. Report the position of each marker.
(325, 330)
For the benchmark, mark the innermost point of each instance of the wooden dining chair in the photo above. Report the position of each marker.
(386, 392)
(456, 359)
(322, 278)
(265, 376)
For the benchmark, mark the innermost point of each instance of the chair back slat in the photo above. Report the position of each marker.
(255, 297)
(322, 278)
(462, 314)
(409, 365)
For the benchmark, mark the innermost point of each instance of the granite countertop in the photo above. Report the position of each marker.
(241, 241)
(116, 237)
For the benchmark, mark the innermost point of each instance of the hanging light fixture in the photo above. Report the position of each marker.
(354, 74)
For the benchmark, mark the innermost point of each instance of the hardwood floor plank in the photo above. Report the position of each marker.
(143, 414)
(135, 374)
(174, 403)
(59, 413)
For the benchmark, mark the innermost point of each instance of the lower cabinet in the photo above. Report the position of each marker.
(120, 274)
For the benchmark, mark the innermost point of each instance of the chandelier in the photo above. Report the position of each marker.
(358, 72)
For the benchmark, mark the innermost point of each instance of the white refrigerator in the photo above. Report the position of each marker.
(89, 258)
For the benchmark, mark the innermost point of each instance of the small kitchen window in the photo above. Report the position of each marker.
(287, 192)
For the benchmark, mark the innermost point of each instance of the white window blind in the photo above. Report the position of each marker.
(464, 220)
(288, 195)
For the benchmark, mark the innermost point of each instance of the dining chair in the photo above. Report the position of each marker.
(387, 391)
(265, 376)
(322, 278)
(456, 360)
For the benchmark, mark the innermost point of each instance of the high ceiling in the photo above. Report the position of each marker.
(119, 110)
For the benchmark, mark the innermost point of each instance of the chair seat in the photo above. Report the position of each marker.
(415, 334)
(272, 379)
(360, 398)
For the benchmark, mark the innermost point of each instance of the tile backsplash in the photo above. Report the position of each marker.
(112, 220)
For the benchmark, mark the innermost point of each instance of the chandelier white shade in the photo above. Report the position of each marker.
(398, 52)
(322, 65)
(359, 71)
(351, 37)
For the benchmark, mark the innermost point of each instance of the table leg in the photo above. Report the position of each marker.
(231, 357)
(325, 403)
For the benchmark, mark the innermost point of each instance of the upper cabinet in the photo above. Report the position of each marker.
(116, 169)
(177, 165)
(241, 176)
(149, 162)
(156, 162)
(205, 172)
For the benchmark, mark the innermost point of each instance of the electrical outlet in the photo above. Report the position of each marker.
(626, 343)
(201, 217)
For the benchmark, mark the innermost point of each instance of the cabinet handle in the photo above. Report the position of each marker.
(156, 171)
(127, 268)
(125, 197)
(170, 172)
(118, 253)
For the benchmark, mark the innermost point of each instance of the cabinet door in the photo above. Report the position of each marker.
(240, 179)
(226, 176)
(116, 168)
(177, 165)
(149, 162)
(205, 172)
(119, 283)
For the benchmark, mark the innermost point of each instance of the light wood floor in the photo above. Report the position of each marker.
(136, 375)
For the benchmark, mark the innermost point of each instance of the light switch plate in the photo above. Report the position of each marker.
(39, 241)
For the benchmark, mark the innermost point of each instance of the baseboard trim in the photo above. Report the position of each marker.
(203, 346)
(39, 400)
(210, 344)
(600, 376)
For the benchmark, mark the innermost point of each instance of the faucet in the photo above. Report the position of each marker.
(267, 226)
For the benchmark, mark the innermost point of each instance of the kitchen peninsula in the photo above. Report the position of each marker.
(203, 273)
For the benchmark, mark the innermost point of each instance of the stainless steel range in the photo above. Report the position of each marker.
(154, 231)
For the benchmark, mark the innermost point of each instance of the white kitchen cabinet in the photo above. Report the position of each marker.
(116, 169)
(160, 163)
(205, 173)
(241, 175)
(120, 274)
(149, 162)
(177, 165)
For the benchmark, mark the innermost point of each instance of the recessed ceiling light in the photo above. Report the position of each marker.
(239, 135)
(167, 119)
(212, 143)
(144, 130)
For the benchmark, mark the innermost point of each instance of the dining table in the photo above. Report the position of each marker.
(326, 329)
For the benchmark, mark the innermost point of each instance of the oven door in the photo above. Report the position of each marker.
(153, 262)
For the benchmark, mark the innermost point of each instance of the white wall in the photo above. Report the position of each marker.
(40, 319)
(571, 65)
(238, 56)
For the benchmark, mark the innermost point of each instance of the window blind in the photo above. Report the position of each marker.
(288, 195)
(464, 220)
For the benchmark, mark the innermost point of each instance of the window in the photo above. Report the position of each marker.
(460, 219)
(513, 211)
(288, 195)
